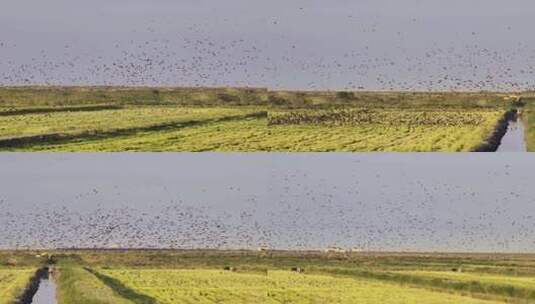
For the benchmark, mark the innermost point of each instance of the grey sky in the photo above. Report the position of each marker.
(385, 44)
(413, 201)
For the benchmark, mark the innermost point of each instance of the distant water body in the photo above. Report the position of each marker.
(392, 201)
(303, 44)
(46, 293)
(514, 138)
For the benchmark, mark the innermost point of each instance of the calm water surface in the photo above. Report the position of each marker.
(46, 294)
(514, 140)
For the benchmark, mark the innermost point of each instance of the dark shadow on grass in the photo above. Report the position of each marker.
(59, 138)
(42, 110)
(492, 143)
(32, 286)
(121, 289)
(474, 288)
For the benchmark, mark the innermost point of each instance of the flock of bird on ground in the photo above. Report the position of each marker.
(299, 209)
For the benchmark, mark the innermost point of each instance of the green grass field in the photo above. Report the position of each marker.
(185, 119)
(252, 134)
(218, 286)
(528, 117)
(13, 281)
(520, 282)
(201, 276)
(51, 96)
(76, 285)
(141, 117)
(212, 276)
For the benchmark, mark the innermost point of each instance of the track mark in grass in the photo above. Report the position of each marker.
(121, 289)
(58, 138)
(29, 294)
(15, 284)
(474, 287)
(511, 286)
(278, 286)
(41, 110)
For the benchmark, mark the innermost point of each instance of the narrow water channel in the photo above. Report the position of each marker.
(46, 293)
(513, 140)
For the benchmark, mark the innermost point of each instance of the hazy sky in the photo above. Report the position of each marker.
(304, 44)
(412, 201)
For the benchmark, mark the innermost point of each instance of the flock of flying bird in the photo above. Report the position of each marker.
(301, 209)
(195, 57)
(359, 207)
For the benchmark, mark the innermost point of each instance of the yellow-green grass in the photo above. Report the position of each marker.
(217, 286)
(527, 115)
(76, 285)
(13, 282)
(106, 120)
(378, 138)
(254, 135)
(404, 122)
(528, 118)
(4, 111)
(525, 282)
(31, 96)
(387, 116)
(237, 135)
(132, 276)
(159, 119)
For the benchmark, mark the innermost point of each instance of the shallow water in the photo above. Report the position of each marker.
(46, 294)
(403, 201)
(513, 140)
